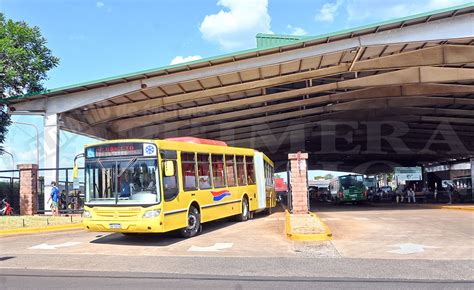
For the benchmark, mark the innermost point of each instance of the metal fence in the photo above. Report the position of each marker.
(71, 199)
(10, 187)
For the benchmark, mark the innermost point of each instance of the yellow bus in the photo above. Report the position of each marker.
(153, 186)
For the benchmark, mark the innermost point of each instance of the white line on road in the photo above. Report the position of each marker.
(333, 219)
(409, 248)
(361, 218)
(218, 247)
(45, 246)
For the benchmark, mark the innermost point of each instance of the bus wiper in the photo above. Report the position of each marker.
(102, 167)
(130, 163)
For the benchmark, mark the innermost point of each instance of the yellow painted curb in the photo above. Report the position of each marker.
(457, 208)
(20, 231)
(327, 235)
(452, 207)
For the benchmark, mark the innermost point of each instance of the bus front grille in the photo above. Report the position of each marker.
(117, 213)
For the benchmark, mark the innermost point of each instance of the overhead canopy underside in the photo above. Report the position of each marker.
(397, 93)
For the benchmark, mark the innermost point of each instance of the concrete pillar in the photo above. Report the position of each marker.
(299, 182)
(51, 154)
(28, 188)
(472, 179)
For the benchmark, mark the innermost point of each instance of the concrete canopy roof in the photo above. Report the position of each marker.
(415, 72)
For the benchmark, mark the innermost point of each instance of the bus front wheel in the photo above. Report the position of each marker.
(194, 223)
(245, 211)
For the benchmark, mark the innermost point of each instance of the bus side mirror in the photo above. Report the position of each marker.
(168, 168)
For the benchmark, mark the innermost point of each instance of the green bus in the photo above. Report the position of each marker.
(348, 188)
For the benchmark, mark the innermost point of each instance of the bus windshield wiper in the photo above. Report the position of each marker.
(130, 163)
(102, 167)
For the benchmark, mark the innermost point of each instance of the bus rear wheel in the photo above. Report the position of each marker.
(245, 211)
(194, 223)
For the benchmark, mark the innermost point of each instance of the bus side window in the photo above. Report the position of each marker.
(218, 170)
(241, 177)
(250, 170)
(170, 183)
(188, 166)
(230, 170)
(204, 174)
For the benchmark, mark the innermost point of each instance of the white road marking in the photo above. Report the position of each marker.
(409, 248)
(333, 219)
(274, 219)
(45, 246)
(361, 218)
(218, 247)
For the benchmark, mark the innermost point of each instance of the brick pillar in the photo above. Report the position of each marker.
(28, 188)
(299, 183)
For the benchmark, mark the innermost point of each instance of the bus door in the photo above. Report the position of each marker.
(260, 176)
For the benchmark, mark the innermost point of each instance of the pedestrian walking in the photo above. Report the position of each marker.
(54, 198)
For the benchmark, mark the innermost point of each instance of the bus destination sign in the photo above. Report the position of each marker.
(110, 150)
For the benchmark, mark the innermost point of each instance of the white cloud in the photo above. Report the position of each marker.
(235, 26)
(328, 11)
(181, 59)
(294, 30)
(358, 10)
(99, 4)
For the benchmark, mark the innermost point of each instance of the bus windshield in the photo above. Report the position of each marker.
(352, 181)
(124, 181)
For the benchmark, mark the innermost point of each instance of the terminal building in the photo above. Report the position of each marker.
(366, 100)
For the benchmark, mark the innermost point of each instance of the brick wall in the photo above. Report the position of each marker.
(299, 183)
(28, 188)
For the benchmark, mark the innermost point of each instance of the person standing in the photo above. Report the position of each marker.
(450, 193)
(411, 195)
(54, 198)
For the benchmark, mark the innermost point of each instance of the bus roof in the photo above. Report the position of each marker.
(195, 140)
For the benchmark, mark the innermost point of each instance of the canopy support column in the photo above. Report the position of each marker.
(51, 154)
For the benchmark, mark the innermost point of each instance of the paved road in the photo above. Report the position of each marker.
(120, 280)
(259, 237)
(399, 231)
(240, 254)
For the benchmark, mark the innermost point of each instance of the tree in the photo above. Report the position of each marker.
(24, 62)
(328, 176)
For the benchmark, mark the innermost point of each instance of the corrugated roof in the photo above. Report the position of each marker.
(269, 40)
(284, 44)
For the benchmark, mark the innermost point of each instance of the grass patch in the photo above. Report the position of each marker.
(15, 222)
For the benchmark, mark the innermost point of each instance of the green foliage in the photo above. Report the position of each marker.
(25, 59)
(24, 62)
(4, 123)
(328, 176)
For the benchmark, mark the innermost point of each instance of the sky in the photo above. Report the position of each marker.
(101, 39)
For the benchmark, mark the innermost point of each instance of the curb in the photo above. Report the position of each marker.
(327, 235)
(454, 207)
(451, 207)
(20, 231)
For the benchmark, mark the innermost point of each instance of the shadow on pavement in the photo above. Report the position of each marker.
(367, 206)
(169, 238)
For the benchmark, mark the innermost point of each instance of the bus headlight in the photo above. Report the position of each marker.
(152, 213)
(86, 214)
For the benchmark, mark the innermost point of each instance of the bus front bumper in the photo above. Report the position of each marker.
(152, 225)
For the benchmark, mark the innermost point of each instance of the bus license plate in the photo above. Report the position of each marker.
(115, 226)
